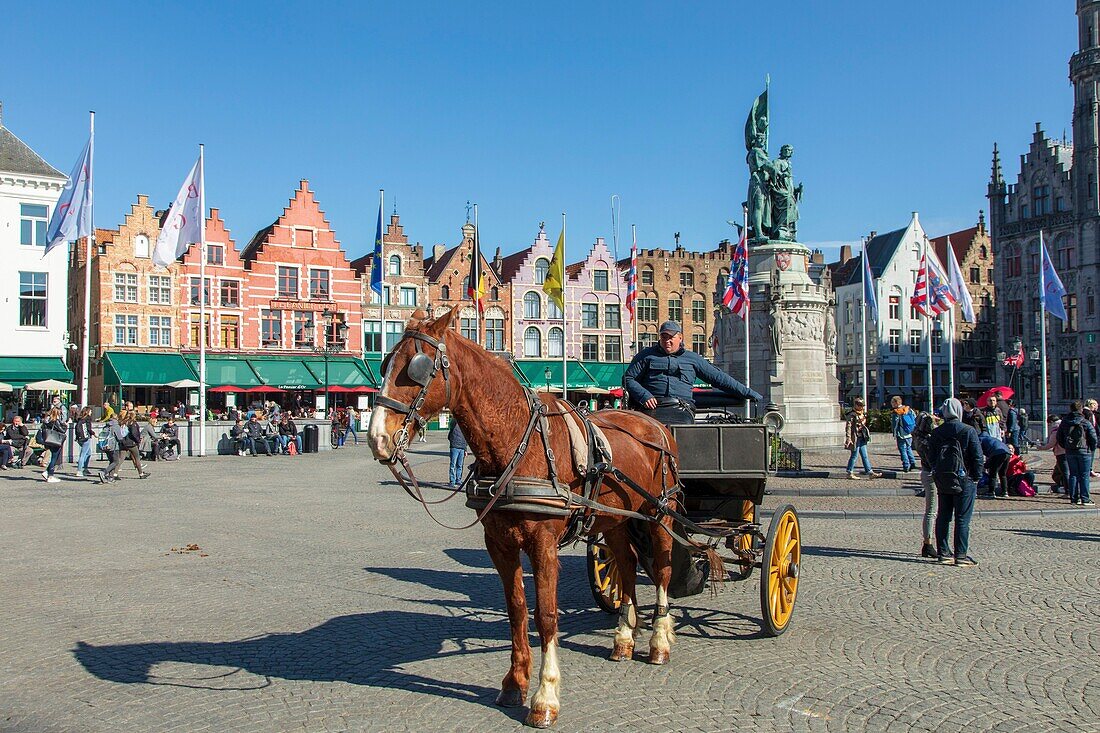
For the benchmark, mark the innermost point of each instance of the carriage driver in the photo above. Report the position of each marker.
(660, 377)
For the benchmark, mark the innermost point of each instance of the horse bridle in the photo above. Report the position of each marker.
(421, 369)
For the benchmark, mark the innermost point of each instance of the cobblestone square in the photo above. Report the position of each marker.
(309, 593)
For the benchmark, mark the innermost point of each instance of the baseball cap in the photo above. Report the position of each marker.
(670, 327)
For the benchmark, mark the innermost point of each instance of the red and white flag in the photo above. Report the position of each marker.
(736, 297)
(183, 224)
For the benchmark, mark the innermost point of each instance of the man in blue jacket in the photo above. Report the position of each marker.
(660, 377)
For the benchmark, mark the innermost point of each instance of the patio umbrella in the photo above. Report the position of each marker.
(50, 385)
(227, 388)
(183, 383)
(5, 387)
(1003, 392)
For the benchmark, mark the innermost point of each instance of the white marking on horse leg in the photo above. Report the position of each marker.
(663, 635)
(549, 679)
(628, 622)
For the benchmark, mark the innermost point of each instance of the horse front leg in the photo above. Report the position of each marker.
(505, 556)
(626, 561)
(660, 644)
(544, 564)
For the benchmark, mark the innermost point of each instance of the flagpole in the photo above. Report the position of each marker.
(1043, 322)
(85, 345)
(951, 352)
(475, 272)
(863, 319)
(564, 315)
(748, 307)
(615, 216)
(203, 326)
(928, 324)
(382, 273)
(633, 264)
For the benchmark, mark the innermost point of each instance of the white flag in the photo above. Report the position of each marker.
(958, 286)
(184, 222)
(72, 217)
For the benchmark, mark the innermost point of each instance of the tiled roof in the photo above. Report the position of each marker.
(17, 157)
(249, 250)
(880, 250)
(574, 270)
(510, 265)
(960, 242)
(433, 267)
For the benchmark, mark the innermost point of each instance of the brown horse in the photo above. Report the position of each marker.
(492, 408)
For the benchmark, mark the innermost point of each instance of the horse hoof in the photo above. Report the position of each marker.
(541, 716)
(622, 652)
(511, 698)
(658, 656)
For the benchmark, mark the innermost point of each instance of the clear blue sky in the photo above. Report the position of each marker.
(535, 109)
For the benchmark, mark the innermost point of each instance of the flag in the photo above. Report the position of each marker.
(931, 295)
(958, 286)
(757, 122)
(183, 224)
(869, 288)
(1052, 289)
(376, 265)
(72, 217)
(1015, 360)
(554, 284)
(736, 297)
(475, 284)
(632, 280)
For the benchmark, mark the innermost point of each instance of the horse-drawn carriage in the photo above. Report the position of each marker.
(724, 467)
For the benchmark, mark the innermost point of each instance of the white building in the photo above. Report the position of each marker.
(897, 348)
(33, 288)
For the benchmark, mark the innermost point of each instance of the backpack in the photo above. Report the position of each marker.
(108, 442)
(949, 467)
(906, 423)
(1075, 437)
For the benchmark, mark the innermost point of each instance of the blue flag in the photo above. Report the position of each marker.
(1051, 288)
(376, 261)
(869, 288)
(72, 217)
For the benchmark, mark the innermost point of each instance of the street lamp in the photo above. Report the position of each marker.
(546, 373)
(327, 346)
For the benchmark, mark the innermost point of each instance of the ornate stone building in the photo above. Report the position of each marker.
(404, 289)
(1055, 192)
(975, 343)
(448, 272)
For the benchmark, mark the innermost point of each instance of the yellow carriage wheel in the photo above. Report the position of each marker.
(780, 567)
(603, 576)
(744, 542)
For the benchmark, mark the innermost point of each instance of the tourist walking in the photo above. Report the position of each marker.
(110, 443)
(458, 453)
(956, 465)
(1078, 437)
(996, 454)
(353, 423)
(54, 431)
(82, 428)
(904, 422)
(922, 434)
(856, 437)
(129, 441)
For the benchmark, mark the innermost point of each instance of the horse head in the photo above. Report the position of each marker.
(416, 385)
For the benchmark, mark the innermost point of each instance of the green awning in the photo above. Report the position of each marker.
(608, 375)
(18, 370)
(283, 373)
(534, 371)
(342, 372)
(374, 371)
(143, 369)
(224, 371)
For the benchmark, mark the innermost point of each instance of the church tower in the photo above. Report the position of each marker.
(1084, 74)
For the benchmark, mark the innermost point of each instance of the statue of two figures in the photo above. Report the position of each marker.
(773, 197)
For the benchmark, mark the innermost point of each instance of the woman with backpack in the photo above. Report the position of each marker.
(905, 421)
(1078, 437)
(83, 428)
(129, 440)
(109, 443)
(856, 437)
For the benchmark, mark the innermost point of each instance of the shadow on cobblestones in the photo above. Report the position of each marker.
(1055, 534)
(844, 552)
(360, 649)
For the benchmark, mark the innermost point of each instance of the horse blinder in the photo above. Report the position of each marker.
(421, 369)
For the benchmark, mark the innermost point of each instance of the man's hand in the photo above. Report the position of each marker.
(651, 403)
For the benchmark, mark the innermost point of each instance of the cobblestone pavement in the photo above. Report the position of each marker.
(309, 593)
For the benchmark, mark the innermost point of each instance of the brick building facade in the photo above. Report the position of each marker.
(231, 326)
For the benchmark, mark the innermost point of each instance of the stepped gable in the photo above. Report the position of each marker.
(301, 214)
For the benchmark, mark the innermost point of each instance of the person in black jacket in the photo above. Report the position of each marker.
(458, 452)
(257, 436)
(1078, 437)
(957, 485)
(20, 439)
(170, 438)
(288, 433)
(83, 429)
(55, 422)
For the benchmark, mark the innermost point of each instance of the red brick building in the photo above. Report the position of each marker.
(231, 325)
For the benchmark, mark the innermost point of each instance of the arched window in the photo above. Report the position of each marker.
(983, 252)
(687, 278)
(532, 305)
(466, 288)
(494, 293)
(552, 309)
(445, 292)
(532, 342)
(646, 275)
(395, 265)
(556, 343)
(542, 266)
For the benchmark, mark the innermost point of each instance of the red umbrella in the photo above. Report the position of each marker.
(1002, 392)
(226, 388)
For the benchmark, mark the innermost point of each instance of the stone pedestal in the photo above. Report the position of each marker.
(792, 344)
